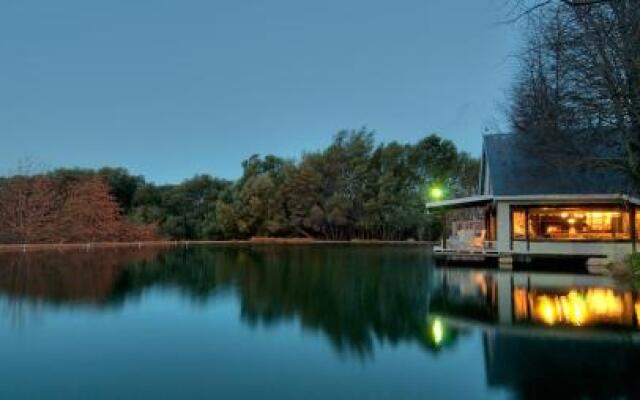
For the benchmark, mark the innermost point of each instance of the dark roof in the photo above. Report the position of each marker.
(576, 163)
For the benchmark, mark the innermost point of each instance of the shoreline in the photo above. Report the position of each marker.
(34, 247)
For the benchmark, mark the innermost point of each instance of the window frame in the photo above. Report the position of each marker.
(624, 209)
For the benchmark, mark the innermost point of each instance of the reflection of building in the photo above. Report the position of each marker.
(562, 366)
(517, 299)
(533, 204)
(562, 335)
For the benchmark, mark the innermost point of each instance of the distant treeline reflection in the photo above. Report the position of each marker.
(356, 296)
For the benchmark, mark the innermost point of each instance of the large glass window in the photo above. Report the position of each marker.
(518, 220)
(572, 224)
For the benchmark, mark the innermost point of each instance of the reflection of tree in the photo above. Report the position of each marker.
(66, 277)
(357, 296)
(354, 296)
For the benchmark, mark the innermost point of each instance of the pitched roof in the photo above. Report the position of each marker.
(576, 163)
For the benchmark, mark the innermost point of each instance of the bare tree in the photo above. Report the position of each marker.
(581, 71)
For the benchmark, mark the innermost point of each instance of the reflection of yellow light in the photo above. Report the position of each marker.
(604, 302)
(564, 215)
(520, 303)
(547, 310)
(437, 331)
(580, 307)
(637, 308)
(571, 221)
(574, 308)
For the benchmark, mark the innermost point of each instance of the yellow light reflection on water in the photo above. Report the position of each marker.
(437, 331)
(577, 308)
(546, 310)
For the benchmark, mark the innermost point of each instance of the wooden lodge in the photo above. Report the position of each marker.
(544, 200)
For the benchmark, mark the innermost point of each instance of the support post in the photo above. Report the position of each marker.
(444, 229)
(510, 228)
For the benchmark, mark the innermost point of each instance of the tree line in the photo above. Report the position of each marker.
(352, 189)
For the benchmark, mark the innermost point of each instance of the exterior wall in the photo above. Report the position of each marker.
(503, 232)
(613, 250)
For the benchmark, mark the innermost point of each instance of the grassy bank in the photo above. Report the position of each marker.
(24, 248)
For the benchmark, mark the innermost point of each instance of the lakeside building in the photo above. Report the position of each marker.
(562, 196)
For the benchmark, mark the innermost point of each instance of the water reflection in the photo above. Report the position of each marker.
(569, 336)
(573, 335)
(537, 299)
(356, 298)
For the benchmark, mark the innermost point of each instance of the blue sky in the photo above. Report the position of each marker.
(169, 89)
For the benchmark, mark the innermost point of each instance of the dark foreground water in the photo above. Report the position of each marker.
(339, 322)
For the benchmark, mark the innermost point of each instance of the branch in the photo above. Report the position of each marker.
(570, 3)
(527, 12)
(581, 3)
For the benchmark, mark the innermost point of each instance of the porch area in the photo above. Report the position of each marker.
(468, 230)
(588, 230)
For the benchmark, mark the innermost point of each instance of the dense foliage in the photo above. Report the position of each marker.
(353, 189)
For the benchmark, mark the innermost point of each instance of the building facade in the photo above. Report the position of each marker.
(546, 199)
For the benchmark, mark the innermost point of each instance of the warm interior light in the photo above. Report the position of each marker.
(572, 224)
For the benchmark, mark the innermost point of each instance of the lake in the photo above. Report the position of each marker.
(312, 322)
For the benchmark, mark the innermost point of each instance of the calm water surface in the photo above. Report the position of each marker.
(313, 322)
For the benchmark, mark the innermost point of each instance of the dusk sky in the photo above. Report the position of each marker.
(173, 88)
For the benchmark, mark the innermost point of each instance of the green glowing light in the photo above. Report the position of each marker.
(436, 193)
(437, 331)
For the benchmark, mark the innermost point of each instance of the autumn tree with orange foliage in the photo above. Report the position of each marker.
(90, 213)
(41, 210)
(29, 208)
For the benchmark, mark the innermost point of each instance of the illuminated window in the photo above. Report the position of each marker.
(518, 219)
(577, 224)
